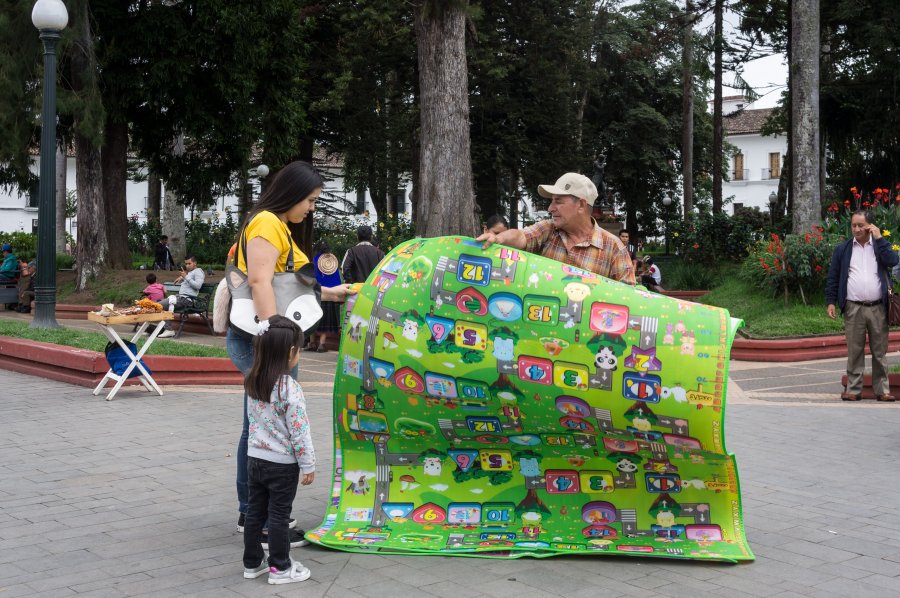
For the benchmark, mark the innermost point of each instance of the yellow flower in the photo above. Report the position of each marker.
(381, 225)
(885, 233)
(895, 247)
(674, 234)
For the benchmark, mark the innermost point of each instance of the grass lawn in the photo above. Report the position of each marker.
(766, 316)
(95, 341)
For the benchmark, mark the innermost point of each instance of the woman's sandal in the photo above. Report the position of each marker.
(321, 349)
(311, 347)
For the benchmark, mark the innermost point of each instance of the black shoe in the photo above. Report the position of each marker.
(297, 536)
(243, 516)
(24, 309)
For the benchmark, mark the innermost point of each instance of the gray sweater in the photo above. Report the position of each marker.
(193, 280)
(279, 429)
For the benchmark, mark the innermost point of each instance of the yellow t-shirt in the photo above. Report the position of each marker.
(270, 227)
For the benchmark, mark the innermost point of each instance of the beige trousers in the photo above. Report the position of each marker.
(859, 320)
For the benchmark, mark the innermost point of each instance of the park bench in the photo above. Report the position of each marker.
(200, 306)
(9, 291)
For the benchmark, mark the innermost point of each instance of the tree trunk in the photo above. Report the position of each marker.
(378, 192)
(687, 109)
(447, 200)
(154, 199)
(173, 225)
(245, 196)
(303, 233)
(92, 244)
(805, 113)
(416, 192)
(115, 172)
(514, 197)
(60, 200)
(717, 148)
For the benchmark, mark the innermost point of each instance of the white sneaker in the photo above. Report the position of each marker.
(296, 572)
(257, 571)
(166, 334)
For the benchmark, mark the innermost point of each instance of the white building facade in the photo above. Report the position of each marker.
(755, 167)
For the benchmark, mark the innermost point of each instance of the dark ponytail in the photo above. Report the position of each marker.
(271, 352)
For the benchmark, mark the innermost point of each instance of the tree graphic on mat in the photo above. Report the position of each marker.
(532, 502)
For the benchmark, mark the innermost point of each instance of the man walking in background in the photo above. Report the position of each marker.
(858, 283)
(162, 256)
(361, 259)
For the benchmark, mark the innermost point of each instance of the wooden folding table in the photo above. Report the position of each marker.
(106, 323)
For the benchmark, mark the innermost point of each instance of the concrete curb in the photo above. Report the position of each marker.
(87, 368)
(798, 349)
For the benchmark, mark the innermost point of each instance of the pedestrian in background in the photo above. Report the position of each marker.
(858, 283)
(327, 275)
(361, 259)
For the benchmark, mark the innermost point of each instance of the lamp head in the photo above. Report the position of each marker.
(667, 199)
(773, 198)
(49, 15)
(262, 171)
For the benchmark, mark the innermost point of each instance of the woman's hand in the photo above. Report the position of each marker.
(339, 293)
(307, 478)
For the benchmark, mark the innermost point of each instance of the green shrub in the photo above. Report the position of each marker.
(686, 276)
(142, 236)
(24, 245)
(797, 264)
(340, 233)
(64, 261)
(210, 240)
(711, 239)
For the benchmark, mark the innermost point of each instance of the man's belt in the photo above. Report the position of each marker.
(865, 303)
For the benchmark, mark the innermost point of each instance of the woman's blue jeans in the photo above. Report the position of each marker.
(240, 350)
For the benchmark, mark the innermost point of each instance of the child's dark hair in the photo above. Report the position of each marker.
(271, 353)
(151, 278)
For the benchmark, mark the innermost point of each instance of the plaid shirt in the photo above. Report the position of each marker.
(604, 254)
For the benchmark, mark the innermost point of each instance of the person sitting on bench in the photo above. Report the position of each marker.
(191, 280)
(26, 287)
(9, 268)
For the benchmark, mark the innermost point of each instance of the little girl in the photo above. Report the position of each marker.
(280, 450)
(154, 290)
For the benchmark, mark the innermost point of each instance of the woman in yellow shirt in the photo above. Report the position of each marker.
(289, 198)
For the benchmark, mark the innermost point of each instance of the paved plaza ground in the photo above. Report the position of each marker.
(136, 497)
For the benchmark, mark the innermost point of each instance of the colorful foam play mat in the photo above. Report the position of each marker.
(498, 403)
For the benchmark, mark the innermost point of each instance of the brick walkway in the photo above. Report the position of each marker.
(136, 497)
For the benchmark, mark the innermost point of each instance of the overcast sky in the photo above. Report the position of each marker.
(767, 76)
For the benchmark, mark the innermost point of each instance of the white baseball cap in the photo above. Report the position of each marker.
(571, 183)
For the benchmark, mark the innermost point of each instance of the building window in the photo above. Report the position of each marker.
(739, 167)
(34, 193)
(774, 165)
(360, 201)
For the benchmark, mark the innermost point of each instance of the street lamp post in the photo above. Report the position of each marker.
(50, 18)
(667, 203)
(773, 199)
